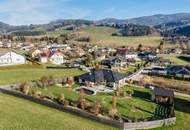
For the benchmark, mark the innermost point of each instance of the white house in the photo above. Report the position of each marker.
(43, 58)
(57, 58)
(11, 58)
(132, 56)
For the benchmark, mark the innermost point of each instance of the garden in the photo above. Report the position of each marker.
(129, 104)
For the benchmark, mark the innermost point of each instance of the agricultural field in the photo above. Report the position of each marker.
(179, 85)
(19, 114)
(22, 73)
(102, 36)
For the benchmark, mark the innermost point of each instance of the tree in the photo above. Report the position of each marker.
(88, 60)
(96, 108)
(25, 88)
(130, 92)
(113, 112)
(81, 100)
(44, 81)
(70, 81)
(61, 98)
(161, 46)
(140, 47)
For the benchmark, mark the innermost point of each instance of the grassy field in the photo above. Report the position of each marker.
(175, 59)
(102, 36)
(17, 74)
(19, 114)
(126, 106)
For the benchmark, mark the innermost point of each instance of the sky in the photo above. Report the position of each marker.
(24, 12)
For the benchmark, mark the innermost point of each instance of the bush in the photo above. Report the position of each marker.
(130, 93)
(24, 88)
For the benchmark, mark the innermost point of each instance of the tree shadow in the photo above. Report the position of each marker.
(182, 105)
(142, 95)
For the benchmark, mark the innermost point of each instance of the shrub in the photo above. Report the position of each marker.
(113, 112)
(61, 98)
(44, 81)
(24, 88)
(96, 108)
(81, 100)
(130, 92)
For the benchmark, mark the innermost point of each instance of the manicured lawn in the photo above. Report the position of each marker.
(102, 36)
(17, 74)
(126, 106)
(19, 114)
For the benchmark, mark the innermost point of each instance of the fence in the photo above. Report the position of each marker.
(149, 124)
(76, 111)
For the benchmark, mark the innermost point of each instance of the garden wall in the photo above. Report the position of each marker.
(116, 124)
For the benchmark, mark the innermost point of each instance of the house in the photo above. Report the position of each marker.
(177, 51)
(161, 95)
(147, 56)
(102, 77)
(114, 62)
(133, 56)
(36, 53)
(179, 71)
(159, 70)
(11, 58)
(57, 58)
(44, 58)
(121, 51)
(163, 62)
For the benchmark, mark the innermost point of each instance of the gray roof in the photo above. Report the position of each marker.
(179, 69)
(163, 92)
(100, 75)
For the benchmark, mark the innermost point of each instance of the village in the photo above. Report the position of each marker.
(108, 77)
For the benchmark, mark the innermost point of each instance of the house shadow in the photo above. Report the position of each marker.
(142, 95)
(182, 105)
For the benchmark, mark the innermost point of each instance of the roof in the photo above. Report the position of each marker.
(159, 68)
(179, 69)
(163, 92)
(100, 75)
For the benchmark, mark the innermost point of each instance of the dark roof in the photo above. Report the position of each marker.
(159, 69)
(163, 92)
(179, 69)
(100, 75)
(145, 54)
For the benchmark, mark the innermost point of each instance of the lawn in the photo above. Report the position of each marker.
(126, 105)
(182, 106)
(17, 74)
(19, 114)
(175, 59)
(102, 36)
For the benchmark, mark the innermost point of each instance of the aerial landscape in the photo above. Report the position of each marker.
(94, 65)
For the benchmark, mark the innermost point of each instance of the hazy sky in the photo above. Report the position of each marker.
(18, 12)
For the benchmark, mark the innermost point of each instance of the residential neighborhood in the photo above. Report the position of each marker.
(94, 65)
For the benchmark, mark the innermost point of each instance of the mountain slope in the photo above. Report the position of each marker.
(148, 20)
(159, 19)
